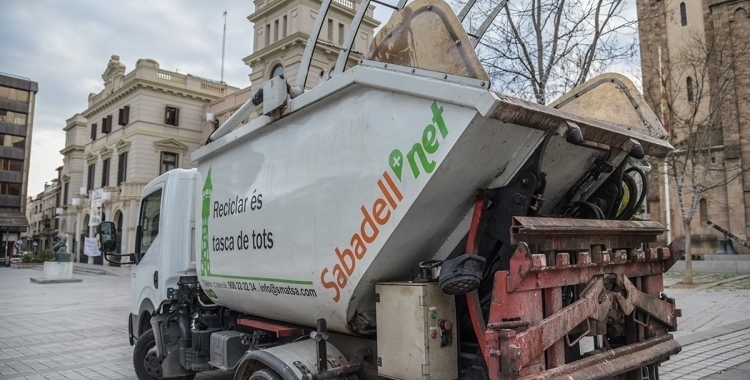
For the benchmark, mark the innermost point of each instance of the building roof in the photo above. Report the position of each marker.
(13, 219)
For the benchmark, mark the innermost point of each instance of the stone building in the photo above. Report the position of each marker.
(43, 213)
(668, 30)
(142, 124)
(150, 120)
(282, 28)
(17, 102)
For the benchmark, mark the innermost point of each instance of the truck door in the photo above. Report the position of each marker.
(146, 275)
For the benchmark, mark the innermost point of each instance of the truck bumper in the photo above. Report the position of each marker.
(610, 363)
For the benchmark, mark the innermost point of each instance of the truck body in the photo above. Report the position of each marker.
(401, 220)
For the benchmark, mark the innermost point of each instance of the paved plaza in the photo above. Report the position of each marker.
(79, 330)
(67, 331)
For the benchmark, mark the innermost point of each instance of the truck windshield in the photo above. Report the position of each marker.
(149, 220)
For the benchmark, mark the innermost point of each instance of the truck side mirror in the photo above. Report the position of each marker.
(108, 244)
(107, 237)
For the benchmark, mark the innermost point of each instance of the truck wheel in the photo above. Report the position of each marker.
(265, 374)
(145, 362)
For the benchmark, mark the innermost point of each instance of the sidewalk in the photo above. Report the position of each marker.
(38, 324)
(715, 332)
(112, 271)
(87, 269)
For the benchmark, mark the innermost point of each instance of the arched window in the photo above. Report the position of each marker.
(689, 88)
(683, 14)
(704, 210)
(277, 70)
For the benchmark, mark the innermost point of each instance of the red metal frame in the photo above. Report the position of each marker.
(528, 327)
(281, 331)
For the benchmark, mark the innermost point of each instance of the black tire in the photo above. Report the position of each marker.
(145, 346)
(265, 374)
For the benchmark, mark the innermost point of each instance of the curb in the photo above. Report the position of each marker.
(713, 333)
(54, 281)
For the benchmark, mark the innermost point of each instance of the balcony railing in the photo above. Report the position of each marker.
(171, 77)
(345, 3)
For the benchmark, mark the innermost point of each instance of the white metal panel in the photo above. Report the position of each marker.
(407, 349)
(311, 178)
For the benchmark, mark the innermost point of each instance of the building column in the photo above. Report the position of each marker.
(106, 212)
(77, 232)
(92, 234)
(132, 213)
(125, 229)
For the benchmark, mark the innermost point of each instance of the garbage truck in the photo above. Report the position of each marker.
(402, 220)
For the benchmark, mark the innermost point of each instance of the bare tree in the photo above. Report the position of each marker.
(540, 49)
(701, 104)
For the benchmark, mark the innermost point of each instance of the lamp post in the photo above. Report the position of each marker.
(76, 202)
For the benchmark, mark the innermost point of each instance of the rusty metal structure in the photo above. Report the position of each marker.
(572, 278)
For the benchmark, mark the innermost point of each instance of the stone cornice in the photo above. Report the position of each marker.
(71, 148)
(145, 84)
(90, 158)
(145, 132)
(105, 152)
(294, 40)
(282, 44)
(274, 6)
(122, 145)
(171, 145)
(73, 125)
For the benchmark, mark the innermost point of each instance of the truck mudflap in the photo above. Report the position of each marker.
(569, 279)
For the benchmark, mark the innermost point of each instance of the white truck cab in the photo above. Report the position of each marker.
(164, 244)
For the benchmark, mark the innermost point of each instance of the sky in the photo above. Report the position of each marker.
(65, 46)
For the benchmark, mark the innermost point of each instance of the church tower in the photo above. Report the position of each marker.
(282, 28)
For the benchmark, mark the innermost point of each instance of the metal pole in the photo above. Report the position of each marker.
(223, 44)
(665, 121)
(78, 235)
(304, 67)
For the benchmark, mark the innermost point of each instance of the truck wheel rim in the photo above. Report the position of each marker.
(152, 364)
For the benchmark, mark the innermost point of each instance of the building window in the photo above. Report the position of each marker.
(283, 27)
(122, 168)
(330, 30)
(683, 14)
(107, 124)
(341, 34)
(149, 220)
(689, 88)
(90, 181)
(275, 30)
(93, 131)
(8, 164)
(12, 141)
(277, 70)
(105, 172)
(124, 116)
(65, 193)
(10, 188)
(168, 162)
(704, 210)
(268, 34)
(13, 117)
(14, 94)
(171, 116)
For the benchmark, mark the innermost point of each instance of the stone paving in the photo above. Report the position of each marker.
(67, 331)
(715, 328)
(79, 330)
